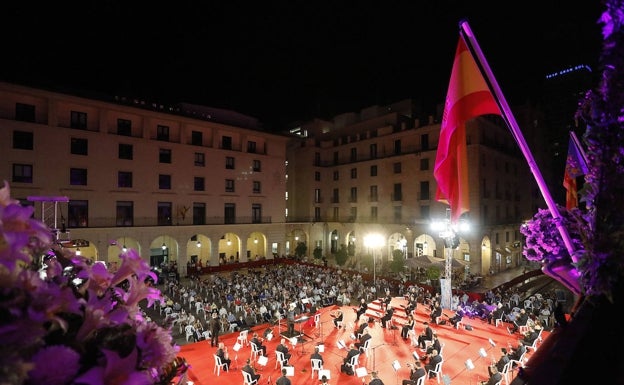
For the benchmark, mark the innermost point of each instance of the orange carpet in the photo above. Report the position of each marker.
(387, 346)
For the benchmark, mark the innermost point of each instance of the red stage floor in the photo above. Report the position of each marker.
(387, 346)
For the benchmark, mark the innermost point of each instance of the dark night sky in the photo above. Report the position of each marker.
(281, 61)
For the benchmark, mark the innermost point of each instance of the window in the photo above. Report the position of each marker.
(352, 214)
(23, 140)
(162, 132)
(373, 213)
(424, 212)
(336, 214)
(199, 213)
(78, 213)
(164, 213)
(200, 159)
(336, 196)
(78, 120)
(257, 187)
(397, 147)
(24, 112)
(125, 151)
(354, 173)
(257, 165)
(397, 167)
(78, 176)
(353, 154)
(226, 142)
(256, 213)
(197, 138)
(124, 179)
(317, 195)
(79, 146)
(373, 193)
(251, 147)
(199, 183)
(125, 213)
(317, 158)
(397, 194)
(373, 151)
(164, 181)
(164, 155)
(398, 214)
(22, 173)
(229, 162)
(353, 195)
(336, 175)
(229, 213)
(317, 214)
(124, 127)
(229, 185)
(373, 170)
(424, 142)
(424, 190)
(424, 164)
(317, 176)
(336, 157)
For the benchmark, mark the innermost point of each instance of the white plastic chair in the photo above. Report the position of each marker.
(242, 337)
(421, 379)
(190, 332)
(279, 358)
(219, 365)
(255, 350)
(437, 370)
(247, 380)
(355, 362)
(317, 365)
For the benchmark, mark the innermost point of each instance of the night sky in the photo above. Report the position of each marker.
(281, 61)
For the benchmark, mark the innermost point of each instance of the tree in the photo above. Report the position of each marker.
(341, 255)
(301, 249)
(398, 261)
(317, 253)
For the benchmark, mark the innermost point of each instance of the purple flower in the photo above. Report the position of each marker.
(54, 365)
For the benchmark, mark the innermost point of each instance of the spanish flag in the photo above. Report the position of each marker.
(468, 96)
(576, 166)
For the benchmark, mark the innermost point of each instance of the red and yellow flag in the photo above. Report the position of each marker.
(468, 96)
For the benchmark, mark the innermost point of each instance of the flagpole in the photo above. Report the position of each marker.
(517, 134)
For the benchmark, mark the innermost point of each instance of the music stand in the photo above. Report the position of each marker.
(321, 348)
(324, 372)
(290, 371)
(361, 371)
(262, 360)
(396, 366)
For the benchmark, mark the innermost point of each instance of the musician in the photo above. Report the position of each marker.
(375, 379)
(352, 352)
(407, 326)
(412, 304)
(436, 311)
(317, 355)
(387, 317)
(425, 335)
(247, 368)
(495, 376)
(363, 326)
(283, 380)
(361, 310)
(386, 301)
(365, 337)
(435, 345)
(338, 317)
(416, 371)
(223, 354)
(281, 347)
(258, 341)
(459, 314)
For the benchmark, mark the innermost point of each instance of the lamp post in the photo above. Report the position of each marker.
(374, 241)
(449, 232)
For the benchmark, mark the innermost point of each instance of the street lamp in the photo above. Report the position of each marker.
(449, 232)
(374, 241)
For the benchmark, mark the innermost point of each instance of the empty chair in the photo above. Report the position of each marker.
(242, 338)
(247, 380)
(219, 365)
(317, 366)
(437, 371)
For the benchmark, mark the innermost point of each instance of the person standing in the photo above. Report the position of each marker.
(290, 320)
(215, 327)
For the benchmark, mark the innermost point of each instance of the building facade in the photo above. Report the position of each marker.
(198, 185)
